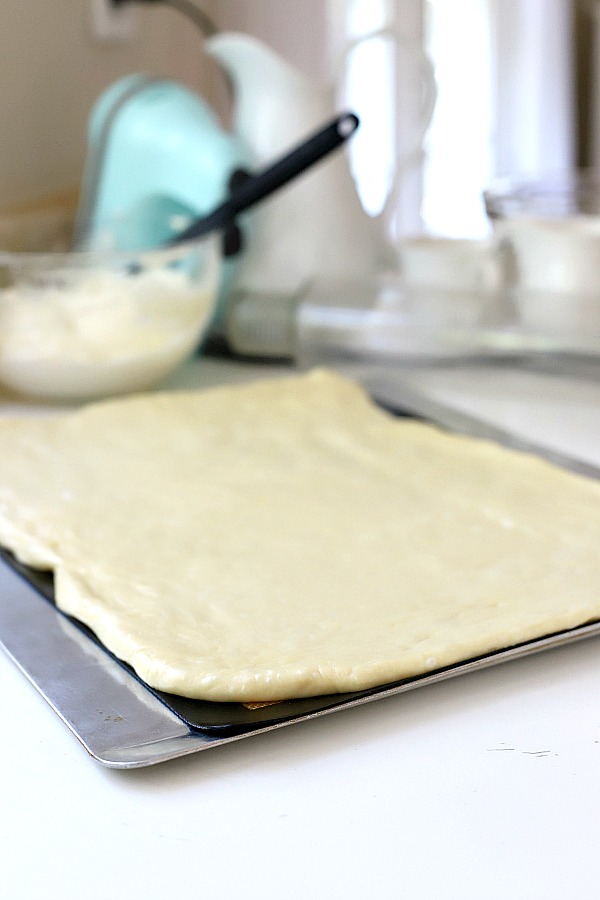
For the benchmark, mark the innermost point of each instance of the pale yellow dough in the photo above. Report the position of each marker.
(287, 538)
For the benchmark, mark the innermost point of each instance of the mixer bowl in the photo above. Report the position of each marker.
(86, 324)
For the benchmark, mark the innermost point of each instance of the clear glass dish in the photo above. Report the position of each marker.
(548, 230)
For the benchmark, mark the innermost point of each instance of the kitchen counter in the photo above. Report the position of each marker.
(484, 786)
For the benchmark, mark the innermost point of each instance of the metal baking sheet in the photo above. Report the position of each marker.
(205, 716)
(125, 724)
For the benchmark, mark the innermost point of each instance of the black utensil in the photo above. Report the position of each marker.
(255, 187)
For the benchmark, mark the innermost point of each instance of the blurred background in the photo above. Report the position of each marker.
(516, 80)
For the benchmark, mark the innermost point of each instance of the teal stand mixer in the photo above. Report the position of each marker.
(158, 160)
(161, 170)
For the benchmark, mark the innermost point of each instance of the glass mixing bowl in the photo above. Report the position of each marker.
(84, 324)
(548, 229)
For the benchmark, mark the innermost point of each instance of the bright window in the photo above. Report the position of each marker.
(459, 157)
(504, 106)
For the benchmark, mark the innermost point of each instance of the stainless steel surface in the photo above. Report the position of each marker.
(122, 724)
(396, 394)
(108, 710)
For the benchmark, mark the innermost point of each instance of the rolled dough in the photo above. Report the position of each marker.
(287, 538)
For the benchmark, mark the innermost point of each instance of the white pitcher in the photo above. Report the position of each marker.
(315, 226)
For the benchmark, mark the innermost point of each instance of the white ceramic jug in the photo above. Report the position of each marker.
(315, 226)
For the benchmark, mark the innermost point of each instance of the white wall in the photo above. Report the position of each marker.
(296, 30)
(52, 70)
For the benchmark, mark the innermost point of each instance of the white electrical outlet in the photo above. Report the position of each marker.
(114, 24)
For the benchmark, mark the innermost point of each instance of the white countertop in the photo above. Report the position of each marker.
(485, 786)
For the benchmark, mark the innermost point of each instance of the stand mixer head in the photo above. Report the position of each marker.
(158, 159)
